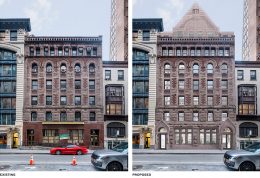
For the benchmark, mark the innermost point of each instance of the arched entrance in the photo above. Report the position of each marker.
(162, 138)
(227, 138)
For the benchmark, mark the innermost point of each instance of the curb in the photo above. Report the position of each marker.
(173, 153)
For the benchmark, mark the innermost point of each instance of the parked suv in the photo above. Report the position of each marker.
(247, 159)
(111, 160)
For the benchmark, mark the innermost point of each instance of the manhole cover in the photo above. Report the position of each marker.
(195, 169)
(62, 169)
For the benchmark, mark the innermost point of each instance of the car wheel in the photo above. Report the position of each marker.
(247, 166)
(58, 152)
(79, 152)
(114, 166)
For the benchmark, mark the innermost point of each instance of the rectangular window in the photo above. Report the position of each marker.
(207, 136)
(198, 52)
(195, 85)
(210, 100)
(120, 75)
(202, 139)
(107, 74)
(31, 51)
(80, 52)
(46, 51)
(63, 116)
(94, 137)
(89, 51)
(210, 116)
(178, 52)
(206, 52)
(34, 100)
(227, 52)
(224, 84)
(166, 116)
(224, 100)
(38, 51)
(184, 52)
(77, 84)
(92, 84)
(77, 100)
(240, 75)
(63, 100)
(13, 35)
(77, 116)
(167, 101)
(252, 74)
(52, 51)
(116, 109)
(63, 85)
(49, 84)
(195, 100)
(224, 116)
(34, 85)
(92, 116)
(48, 116)
(210, 84)
(221, 52)
(181, 84)
(92, 100)
(59, 51)
(94, 51)
(34, 116)
(146, 35)
(48, 100)
(167, 84)
(181, 116)
(74, 51)
(192, 52)
(213, 52)
(195, 117)
(66, 51)
(170, 51)
(181, 100)
(164, 51)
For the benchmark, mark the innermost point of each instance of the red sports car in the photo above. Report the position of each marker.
(70, 149)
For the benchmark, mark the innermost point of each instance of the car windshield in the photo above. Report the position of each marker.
(253, 148)
(121, 147)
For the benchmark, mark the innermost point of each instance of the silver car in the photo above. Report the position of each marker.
(111, 160)
(247, 159)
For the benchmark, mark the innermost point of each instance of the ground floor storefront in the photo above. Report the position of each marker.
(192, 136)
(10, 137)
(90, 135)
(143, 137)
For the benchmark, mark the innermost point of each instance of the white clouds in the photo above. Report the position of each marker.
(170, 12)
(41, 14)
(2, 2)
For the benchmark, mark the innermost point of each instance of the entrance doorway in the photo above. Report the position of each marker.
(136, 140)
(227, 138)
(147, 143)
(3, 140)
(15, 140)
(30, 137)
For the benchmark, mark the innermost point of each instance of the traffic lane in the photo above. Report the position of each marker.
(44, 158)
(177, 158)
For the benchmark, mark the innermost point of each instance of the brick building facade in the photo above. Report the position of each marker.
(195, 85)
(64, 95)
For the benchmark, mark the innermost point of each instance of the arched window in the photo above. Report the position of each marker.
(115, 129)
(49, 68)
(162, 130)
(91, 68)
(181, 68)
(224, 69)
(195, 69)
(63, 68)
(248, 129)
(210, 68)
(34, 68)
(77, 68)
(167, 68)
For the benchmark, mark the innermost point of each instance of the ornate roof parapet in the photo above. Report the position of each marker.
(56, 39)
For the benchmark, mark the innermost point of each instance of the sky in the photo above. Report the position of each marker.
(226, 14)
(63, 17)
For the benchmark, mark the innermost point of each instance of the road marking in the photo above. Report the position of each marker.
(41, 162)
(172, 162)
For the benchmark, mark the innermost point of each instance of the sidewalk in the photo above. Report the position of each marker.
(152, 151)
(29, 151)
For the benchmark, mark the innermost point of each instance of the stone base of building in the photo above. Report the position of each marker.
(51, 134)
(111, 143)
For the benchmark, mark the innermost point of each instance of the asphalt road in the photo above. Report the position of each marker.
(178, 162)
(45, 162)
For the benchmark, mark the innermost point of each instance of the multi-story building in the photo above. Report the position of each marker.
(115, 86)
(12, 35)
(247, 102)
(64, 91)
(119, 30)
(144, 81)
(195, 85)
(251, 30)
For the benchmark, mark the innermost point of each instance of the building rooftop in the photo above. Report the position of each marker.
(55, 39)
(15, 24)
(148, 24)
